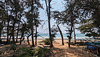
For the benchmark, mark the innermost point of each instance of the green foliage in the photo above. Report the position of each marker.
(42, 52)
(13, 47)
(88, 28)
(24, 52)
(47, 41)
(0, 52)
(38, 52)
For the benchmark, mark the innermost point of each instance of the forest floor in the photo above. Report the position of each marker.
(60, 50)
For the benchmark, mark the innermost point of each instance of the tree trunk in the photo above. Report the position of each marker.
(61, 34)
(13, 37)
(32, 37)
(0, 37)
(71, 30)
(49, 13)
(21, 38)
(36, 37)
(28, 41)
(8, 32)
(32, 8)
(74, 35)
(17, 33)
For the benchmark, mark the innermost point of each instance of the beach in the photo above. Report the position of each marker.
(60, 50)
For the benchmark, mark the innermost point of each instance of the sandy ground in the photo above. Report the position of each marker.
(60, 50)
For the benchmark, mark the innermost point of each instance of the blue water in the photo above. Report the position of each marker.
(64, 34)
(46, 35)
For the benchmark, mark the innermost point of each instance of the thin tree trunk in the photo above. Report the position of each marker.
(74, 35)
(0, 37)
(28, 41)
(13, 37)
(61, 34)
(21, 38)
(49, 13)
(71, 28)
(36, 37)
(32, 8)
(17, 33)
(32, 37)
(8, 32)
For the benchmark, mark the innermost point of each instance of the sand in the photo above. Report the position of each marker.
(60, 50)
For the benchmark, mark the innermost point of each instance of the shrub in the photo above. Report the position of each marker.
(47, 41)
(38, 52)
(0, 52)
(13, 47)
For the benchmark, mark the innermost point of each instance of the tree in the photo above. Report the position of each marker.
(48, 7)
(32, 16)
(58, 16)
(69, 17)
(88, 28)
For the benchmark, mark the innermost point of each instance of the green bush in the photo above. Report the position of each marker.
(38, 52)
(0, 52)
(13, 47)
(47, 41)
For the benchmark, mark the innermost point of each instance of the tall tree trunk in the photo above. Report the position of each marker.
(0, 37)
(17, 34)
(13, 37)
(32, 8)
(71, 30)
(74, 35)
(61, 34)
(8, 32)
(49, 13)
(36, 37)
(70, 36)
(32, 37)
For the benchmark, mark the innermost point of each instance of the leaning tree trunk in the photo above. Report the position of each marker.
(61, 34)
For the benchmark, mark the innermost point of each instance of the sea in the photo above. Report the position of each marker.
(58, 36)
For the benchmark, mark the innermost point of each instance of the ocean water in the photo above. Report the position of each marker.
(46, 35)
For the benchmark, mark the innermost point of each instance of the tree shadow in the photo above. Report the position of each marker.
(69, 52)
(57, 52)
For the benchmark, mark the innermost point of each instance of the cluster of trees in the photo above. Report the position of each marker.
(83, 12)
(21, 17)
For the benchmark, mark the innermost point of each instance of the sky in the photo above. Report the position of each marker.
(56, 5)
